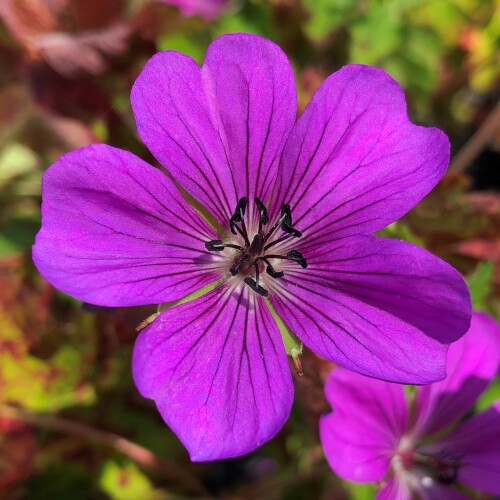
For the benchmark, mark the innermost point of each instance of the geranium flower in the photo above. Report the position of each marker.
(288, 209)
(421, 446)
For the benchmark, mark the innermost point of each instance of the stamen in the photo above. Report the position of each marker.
(264, 216)
(218, 246)
(279, 240)
(239, 213)
(255, 287)
(286, 224)
(214, 245)
(273, 273)
(297, 257)
(247, 260)
(292, 255)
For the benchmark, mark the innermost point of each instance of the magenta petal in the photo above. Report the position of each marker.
(476, 445)
(354, 162)
(362, 434)
(380, 307)
(116, 231)
(394, 489)
(428, 488)
(254, 104)
(397, 277)
(217, 370)
(472, 363)
(219, 131)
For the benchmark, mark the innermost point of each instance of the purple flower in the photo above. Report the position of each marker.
(420, 446)
(288, 211)
(208, 9)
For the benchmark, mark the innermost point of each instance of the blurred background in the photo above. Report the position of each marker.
(72, 424)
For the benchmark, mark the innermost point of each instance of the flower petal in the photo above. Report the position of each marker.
(354, 163)
(217, 370)
(426, 487)
(400, 278)
(362, 434)
(219, 131)
(476, 444)
(116, 231)
(380, 307)
(472, 363)
(394, 489)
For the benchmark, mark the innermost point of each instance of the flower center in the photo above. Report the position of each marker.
(252, 258)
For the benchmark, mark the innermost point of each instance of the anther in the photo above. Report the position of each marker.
(255, 287)
(264, 216)
(214, 245)
(235, 269)
(273, 273)
(218, 246)
(297, 257)
(239, 213)
(286, 221)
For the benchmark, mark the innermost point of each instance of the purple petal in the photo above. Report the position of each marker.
(472, 363)
(400, 278)
(394, 489)
(476, 444)
(354, 163)
(217, 370)
(219, 131)
(383, 308)
(362, 434)
(428, 488)
(116, 232)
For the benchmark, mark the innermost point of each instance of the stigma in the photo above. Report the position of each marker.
(250, 259)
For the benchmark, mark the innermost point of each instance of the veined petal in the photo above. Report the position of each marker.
(217, 370)
(380, 307)
(473, 362)
(253, 100)
(362, 433)
(117, 232)
(397, 277)
(475, 443)
(219, 130)
(354, 163)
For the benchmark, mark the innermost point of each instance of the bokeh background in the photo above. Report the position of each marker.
(72, 424)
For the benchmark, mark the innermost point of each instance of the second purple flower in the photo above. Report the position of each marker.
(288, 212)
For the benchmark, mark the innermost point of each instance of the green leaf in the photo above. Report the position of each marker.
(325, 16)
(191, 44)
(360, 491)
(400, 231)
(16, 160)
(489, 396)
(18, 233)
(127, 482)
(480, 284)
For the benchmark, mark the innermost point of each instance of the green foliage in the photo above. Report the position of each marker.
(126, 482)
(480, 285)
(400, 231)
(360, 491)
